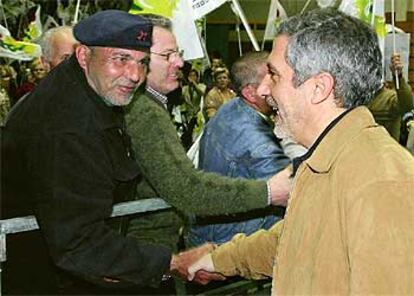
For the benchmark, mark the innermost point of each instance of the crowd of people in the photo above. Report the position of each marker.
(17, 80)
(300, 176)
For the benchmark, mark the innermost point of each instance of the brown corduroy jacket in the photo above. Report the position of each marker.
(349, 226)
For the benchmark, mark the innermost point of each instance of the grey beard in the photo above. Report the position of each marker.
(280, 132)
(112, 103)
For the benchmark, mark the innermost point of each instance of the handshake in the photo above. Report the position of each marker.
(195, 265)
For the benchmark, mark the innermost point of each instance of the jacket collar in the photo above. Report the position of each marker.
(253, 113)
(110, 116)
(337, 138)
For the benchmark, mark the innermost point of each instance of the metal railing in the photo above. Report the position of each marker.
(29, 223)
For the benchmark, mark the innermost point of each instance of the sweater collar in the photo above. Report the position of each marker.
(157, 95)
(109, 115)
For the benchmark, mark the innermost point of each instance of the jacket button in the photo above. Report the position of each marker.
(120, 131)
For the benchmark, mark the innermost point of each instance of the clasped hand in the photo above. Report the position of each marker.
(190, 265)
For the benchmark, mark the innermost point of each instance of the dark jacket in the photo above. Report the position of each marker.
(67, 159)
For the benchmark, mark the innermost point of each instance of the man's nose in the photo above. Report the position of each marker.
(263, 89)
(135, 71)
(178, 61)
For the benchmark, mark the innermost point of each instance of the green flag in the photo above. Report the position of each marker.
(164, 8)
(19, 50)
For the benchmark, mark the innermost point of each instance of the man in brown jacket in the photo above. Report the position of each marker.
(348, 228)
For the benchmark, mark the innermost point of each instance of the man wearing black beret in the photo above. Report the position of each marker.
(67, 159)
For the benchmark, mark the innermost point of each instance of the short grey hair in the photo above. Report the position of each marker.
(244, 70)
(49, 35)
(326, 40)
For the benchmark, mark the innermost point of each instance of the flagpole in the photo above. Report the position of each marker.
(239, 37)
(76, 17)
(374, 6)
(397, 82)
(246, 24)
(305, 6)
(4, 15)
(264, 35)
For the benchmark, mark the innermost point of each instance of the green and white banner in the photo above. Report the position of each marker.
(181, 15)
(371, 12)
(24, 50)
(276, 14)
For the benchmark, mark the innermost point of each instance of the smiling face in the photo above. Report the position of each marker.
(114, 73)
(165, 61)
(288, 103)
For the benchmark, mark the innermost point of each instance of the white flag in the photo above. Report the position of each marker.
(185, 31)
(276, 14)
(402, 47)
(371, 12)
(325, 3)
(202, 7)
(181, 16)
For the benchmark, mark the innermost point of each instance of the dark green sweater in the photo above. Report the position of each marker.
(168, 173)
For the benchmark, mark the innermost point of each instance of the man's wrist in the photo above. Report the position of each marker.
(269, 193)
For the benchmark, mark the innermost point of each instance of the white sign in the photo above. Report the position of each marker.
(186, 32)
(203, 7)
(402, 47)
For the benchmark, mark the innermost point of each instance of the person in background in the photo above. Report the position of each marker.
(409, 123)
(349, 223)
(58, 44)
(390, 104)
(239, 142)
(220, 94)
(7, 79)
(34, 74)
(216, 61)
(187, 114)
(4, 105)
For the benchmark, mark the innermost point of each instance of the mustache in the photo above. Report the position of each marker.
(127, 83)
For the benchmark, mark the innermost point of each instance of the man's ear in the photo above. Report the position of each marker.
(248, 92)
(82, 55)
(323, 87)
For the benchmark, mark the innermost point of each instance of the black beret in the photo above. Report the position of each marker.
(115, 28)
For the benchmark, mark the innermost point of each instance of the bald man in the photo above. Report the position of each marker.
(58, 44)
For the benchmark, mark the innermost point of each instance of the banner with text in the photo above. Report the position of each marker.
(202, 7)
(181, 16)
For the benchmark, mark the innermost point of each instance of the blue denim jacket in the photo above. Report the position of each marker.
(238, 142)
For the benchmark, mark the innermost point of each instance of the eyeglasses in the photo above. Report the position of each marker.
(168, 56)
